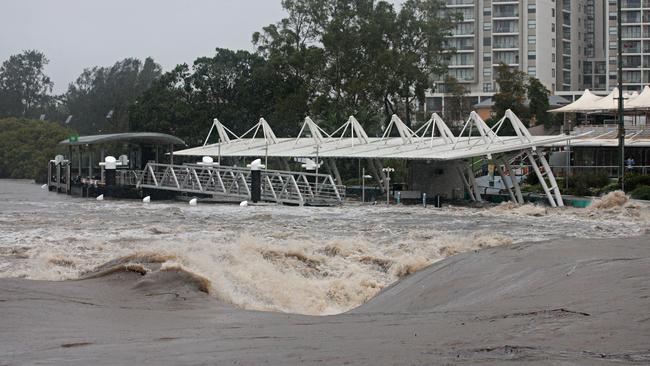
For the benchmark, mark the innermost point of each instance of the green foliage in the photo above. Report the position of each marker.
(526, 96)
(539, 106)
(24, 85)
(633, 180)
(26, 146)
(99, 90)
(358, 57)
(236, 87)
(586, 183)
(612, 186)
(582, 183)
(641, 193)
(531, 179)
(512, 91)
(457, 105)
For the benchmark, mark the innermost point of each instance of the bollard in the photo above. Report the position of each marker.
(256, 185)
(438, 201)
(399, 197)
(424, 200)
(256, 180)
(110, 165)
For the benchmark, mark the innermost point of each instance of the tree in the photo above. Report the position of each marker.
(99, 90)
(423, 26)
(539, 106)
(26, 147)
(236, 87)
(457, 105)
(23, 84)
(358, 57)
(512, 92)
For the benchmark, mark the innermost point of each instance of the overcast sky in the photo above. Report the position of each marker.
(75, 34)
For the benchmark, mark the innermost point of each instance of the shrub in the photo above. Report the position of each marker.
(585, 183)
(641, 193)
(633, 180)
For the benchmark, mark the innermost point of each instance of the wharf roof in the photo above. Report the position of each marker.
(127, 137)
(432, 141)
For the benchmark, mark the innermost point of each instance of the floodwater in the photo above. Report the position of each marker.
(308, 260)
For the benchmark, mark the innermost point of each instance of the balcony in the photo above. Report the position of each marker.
(632, 47)
(631, 32)
(506, 57)
(505, 11)
(505, 43)
(631, 4)
(631, 17)
(460, 2)
(631, 62)
(505, 26)
(632, 77)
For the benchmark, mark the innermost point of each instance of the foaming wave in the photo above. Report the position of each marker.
(527, 209)
(303, 277)
(612, 200)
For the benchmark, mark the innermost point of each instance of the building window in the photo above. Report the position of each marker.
(531, 39)
(532, 71)
(531, 8)
(487, 72)
(487, 26)
(532, 24)
(532, 55)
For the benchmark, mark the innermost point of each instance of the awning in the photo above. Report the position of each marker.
(432, 141)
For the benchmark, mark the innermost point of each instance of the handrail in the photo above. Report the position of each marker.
(277, 186)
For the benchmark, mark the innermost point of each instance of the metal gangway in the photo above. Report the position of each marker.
(230, 183)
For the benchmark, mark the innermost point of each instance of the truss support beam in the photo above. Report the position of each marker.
(466, 184)
(474, 184)
(504, 181)
(515, 183)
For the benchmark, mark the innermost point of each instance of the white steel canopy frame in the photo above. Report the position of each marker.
(431, 141)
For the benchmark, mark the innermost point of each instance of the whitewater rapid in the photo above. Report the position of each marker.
(304, 260)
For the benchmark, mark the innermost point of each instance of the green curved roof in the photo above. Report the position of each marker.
(128, 137)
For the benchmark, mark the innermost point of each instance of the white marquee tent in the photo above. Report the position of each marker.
(592, 103)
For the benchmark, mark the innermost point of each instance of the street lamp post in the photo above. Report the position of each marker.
(388, 170)
(363, 184)
(621, 117)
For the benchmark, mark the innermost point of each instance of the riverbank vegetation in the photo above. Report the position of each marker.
(27, 145)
